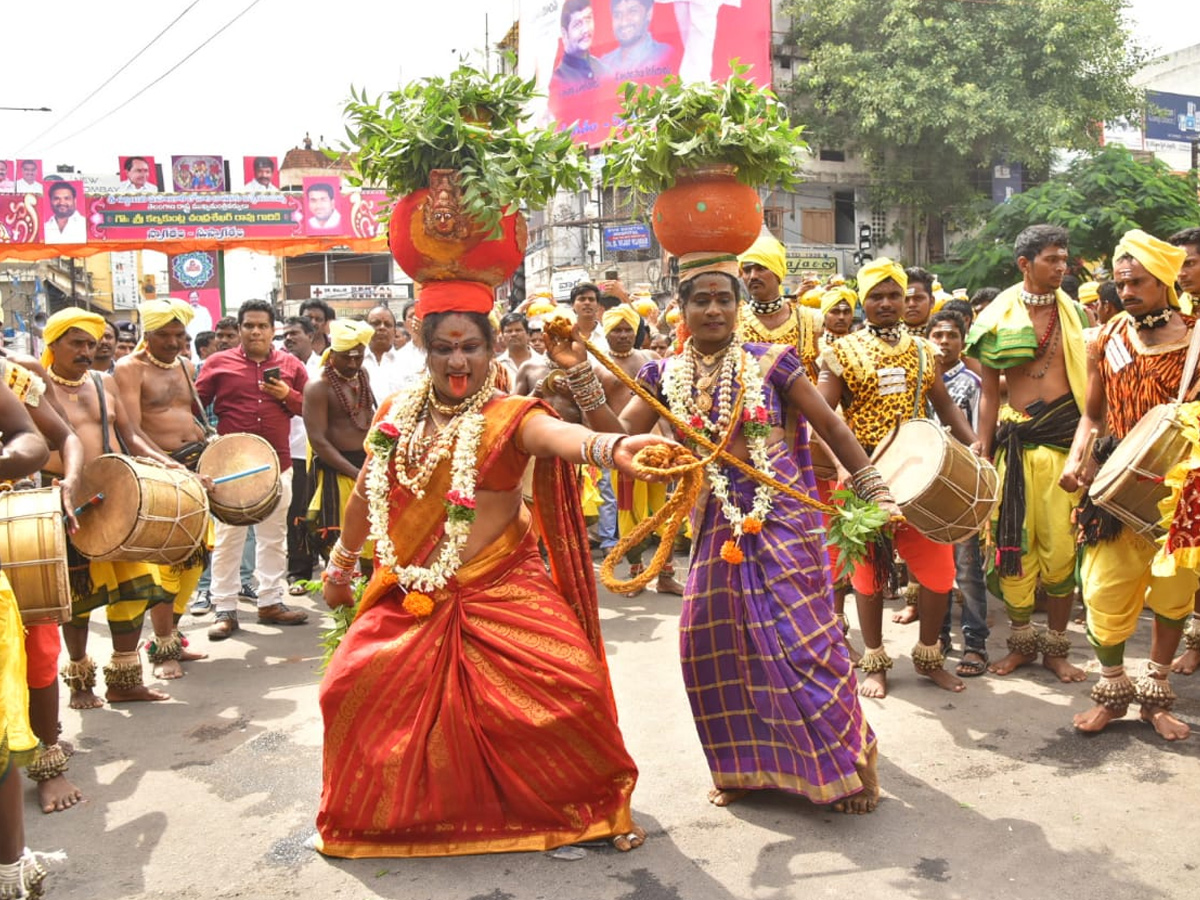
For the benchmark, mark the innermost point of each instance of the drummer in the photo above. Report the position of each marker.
(43, 641)
(1032, 334)
(95, 412)
(155, 385)
(881, 376)
(254, 388)
(1137, 362)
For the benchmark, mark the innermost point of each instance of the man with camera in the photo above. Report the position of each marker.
(256, 389)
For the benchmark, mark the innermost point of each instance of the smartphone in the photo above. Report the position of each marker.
(271, 374)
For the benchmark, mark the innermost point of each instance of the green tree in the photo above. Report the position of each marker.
(1098, 198)
(932, 93)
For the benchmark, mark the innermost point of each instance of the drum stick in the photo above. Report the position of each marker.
(1089, 447)
(244, 474)
(94, 500)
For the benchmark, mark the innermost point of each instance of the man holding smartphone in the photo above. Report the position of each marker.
(255, 389)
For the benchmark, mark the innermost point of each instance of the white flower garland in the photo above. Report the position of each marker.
(679, 381)
(464, 434)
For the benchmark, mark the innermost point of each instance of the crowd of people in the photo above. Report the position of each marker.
(454, 458)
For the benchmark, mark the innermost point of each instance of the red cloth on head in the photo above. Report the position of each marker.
(455, 296)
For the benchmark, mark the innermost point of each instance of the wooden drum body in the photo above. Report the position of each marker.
(247, 500)
(33, 548)
(1130, 483)
(149, 514)
(944, 490)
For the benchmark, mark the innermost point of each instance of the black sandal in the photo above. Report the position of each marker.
(972, 668)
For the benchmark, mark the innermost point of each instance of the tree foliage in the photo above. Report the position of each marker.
(934, 92)
(1098, 198)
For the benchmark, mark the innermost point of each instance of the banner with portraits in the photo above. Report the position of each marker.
(579, 52)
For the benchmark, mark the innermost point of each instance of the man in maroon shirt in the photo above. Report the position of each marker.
(245, 401)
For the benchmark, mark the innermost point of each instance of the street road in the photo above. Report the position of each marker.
(986, 793)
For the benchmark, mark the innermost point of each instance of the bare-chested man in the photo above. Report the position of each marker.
(338, 409)
(43, 642)
(106, 347)
(155, 385)
(91, 401)
(1033, 334)
(636, 500)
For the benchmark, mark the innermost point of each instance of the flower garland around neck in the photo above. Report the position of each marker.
(680, 382)
(398, 444)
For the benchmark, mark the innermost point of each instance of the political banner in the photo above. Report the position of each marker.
(626, 237)
(1172, 117)
(579, 52)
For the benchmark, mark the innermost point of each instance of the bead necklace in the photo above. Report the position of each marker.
(1038, 299)
(618, 354)
(914, 330)
(889, 333)
(162, 365)
(767, 307)
(65, 382)
(364, 404)
(1047, 344)
(1156, 319)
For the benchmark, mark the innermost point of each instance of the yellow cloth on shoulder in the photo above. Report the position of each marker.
(14, 693)
(1003, 336)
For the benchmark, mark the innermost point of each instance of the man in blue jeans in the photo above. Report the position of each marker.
(948, 330)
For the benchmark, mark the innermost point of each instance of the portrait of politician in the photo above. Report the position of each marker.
(65, 224)
(638, 55)
(137, 176)
(578, 69)
(264, 176)
(321, 199)
(6, 183)
(28, 182)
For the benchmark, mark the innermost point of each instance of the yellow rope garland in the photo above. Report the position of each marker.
(679, 463)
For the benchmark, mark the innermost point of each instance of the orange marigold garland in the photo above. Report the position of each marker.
(418, 604)
(732, 553)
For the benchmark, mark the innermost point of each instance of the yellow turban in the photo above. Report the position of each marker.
(939, 297)
(768, 253)
(1160, 259)
(63, 321)
(877, 271)
(158, 313)
(1089, 292)
(622, 312)
(836, 295)
(345, 334)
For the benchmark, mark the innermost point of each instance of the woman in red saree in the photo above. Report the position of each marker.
(469, 708)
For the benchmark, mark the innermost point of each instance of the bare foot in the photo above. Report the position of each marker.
(873, 685)
(944, 680)
(135, 694)
(1011, 663)
(1187, 663)
(1168, 727)
(631, 841)
(1096, 719)
(1066, 672)
(725, 796)
(906, 615)
(186, 655)
(56, 794)
(867, 799)
(168, 669)
(85, 699)
(668, 585)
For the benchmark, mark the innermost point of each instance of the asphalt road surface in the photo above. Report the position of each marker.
(986, 793)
